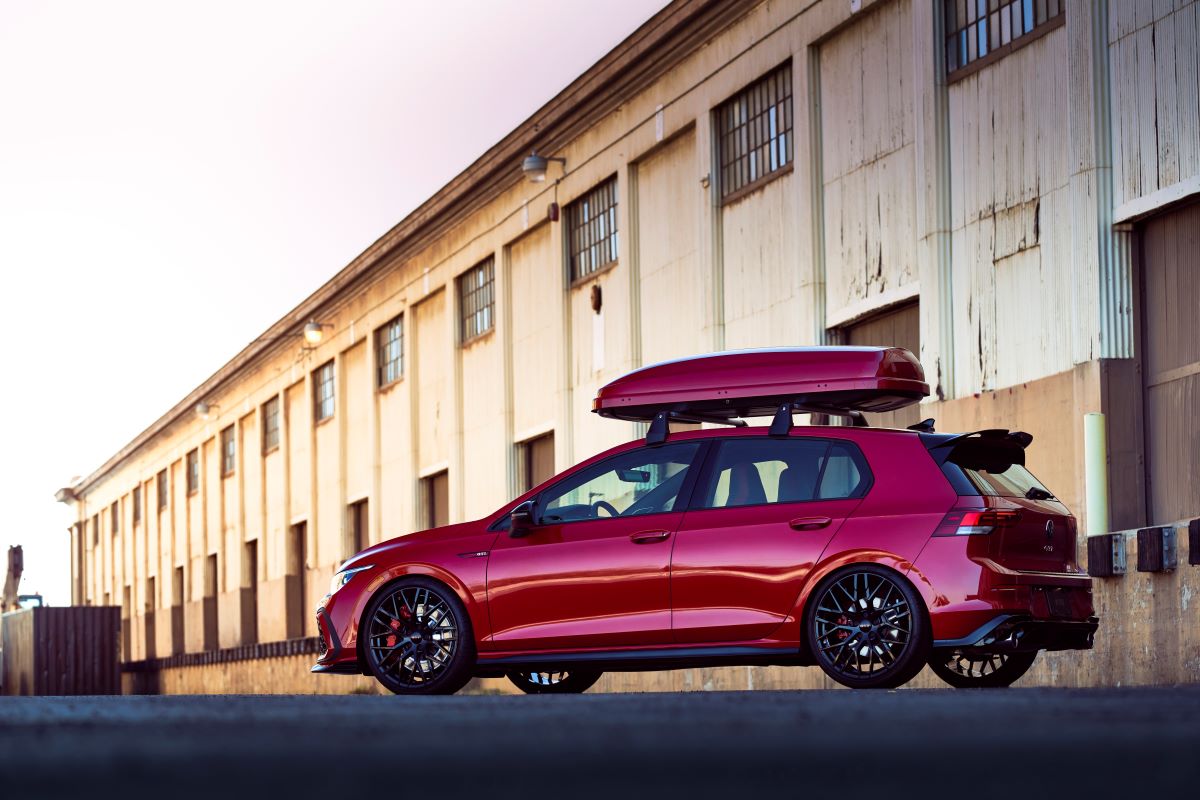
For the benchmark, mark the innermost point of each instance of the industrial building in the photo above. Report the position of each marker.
(1006, 187)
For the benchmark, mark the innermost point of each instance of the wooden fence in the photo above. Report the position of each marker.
(68, 650)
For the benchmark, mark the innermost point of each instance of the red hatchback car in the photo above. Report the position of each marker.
(868, 552)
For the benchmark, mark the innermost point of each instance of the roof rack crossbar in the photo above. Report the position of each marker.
(660, 426)
(781, 425)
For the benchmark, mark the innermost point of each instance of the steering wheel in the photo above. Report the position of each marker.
(607, 506)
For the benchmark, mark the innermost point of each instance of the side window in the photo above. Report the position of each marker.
(643, 481)
(760, 471)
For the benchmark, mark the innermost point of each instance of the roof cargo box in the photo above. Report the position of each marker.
(755, 383)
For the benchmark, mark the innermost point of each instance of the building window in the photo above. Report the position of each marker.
(535, 462)
(228, 452)
(389, 352)
(323, 392)
(592, 223)
(477, 299)
(755, 133)
(270, 416)
(95, 530)
(979, 32)
(437, 499)
(161, 482)
(193, 472)
(115, 512)
(137, 504)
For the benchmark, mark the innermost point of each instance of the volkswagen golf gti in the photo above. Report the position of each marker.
(868, 552)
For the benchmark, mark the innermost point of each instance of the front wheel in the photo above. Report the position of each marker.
(418, 638)
(867, 628)
(562, 682)
(984, 671)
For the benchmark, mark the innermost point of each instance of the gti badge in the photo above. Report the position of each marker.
(1049, 548)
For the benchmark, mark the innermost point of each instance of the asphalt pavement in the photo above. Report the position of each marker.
(906, 743)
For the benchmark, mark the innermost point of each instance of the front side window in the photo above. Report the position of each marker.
(755, 133)
(761, 471)
(323, 392)
(228, 452)
(592, 226)
(644, 481)
(389, 353)
(477, 299)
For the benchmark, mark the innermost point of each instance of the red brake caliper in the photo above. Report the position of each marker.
(842, 634)
(395, 626)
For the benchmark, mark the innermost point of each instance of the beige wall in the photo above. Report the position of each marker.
(984, 194)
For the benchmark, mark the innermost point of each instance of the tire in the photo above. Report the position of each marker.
(418, 638)
(575, 681)
(867, 628)
(987, 671)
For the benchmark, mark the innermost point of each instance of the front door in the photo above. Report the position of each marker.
(594, 570)
(766, 511)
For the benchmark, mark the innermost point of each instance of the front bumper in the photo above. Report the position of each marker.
(334, 659)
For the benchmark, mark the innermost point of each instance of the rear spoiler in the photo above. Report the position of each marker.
(940, 445)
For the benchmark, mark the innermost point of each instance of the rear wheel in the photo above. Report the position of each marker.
(982, 671)
(867, 628)
(560, 682)
(418, 638)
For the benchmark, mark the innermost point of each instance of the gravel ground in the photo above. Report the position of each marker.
(977, 744)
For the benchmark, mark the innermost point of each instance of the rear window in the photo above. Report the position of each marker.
(993, 469)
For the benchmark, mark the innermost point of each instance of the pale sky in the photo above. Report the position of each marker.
(174, 177)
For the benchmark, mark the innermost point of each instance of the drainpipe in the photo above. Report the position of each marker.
(1095, 473)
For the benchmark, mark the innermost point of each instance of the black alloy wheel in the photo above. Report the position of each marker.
(418, 638)
(980, 670)
(572, 681)
(867, 628)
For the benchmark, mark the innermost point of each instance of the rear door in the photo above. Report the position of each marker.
(762, 514)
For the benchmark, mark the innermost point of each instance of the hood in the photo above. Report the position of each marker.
(449, 533)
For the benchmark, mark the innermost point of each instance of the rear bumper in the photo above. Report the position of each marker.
(1018, 633)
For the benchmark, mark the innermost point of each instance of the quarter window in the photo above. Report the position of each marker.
(592, 222)
(755, 133)
(761, 471)
(389, 352)
(477, 299)
(644, 481)
(270, 415)
(323, 392)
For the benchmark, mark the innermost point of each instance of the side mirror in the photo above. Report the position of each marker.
(521, 520)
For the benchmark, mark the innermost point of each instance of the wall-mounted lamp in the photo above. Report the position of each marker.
(534, 166)
(314, 331)
(204, 409)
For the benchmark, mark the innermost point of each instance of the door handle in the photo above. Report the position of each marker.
(809, 523)
(649, 537)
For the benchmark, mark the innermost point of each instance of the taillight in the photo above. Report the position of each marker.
(972, 521)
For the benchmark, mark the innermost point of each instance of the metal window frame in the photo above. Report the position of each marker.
(192, 470)
(592, 231)
(323, 392)
(477, 300)
(755, 133)
(228, 451)
(389, 352)
(270, 414)
(972, 26)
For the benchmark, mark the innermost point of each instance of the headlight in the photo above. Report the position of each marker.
(341, 578)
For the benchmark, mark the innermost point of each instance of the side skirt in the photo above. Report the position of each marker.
(644, 660)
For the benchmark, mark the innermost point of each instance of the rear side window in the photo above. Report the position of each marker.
(993, 469)
(761, 471)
